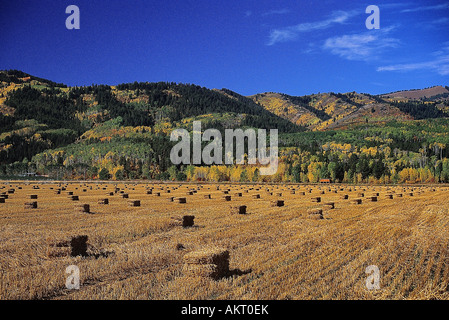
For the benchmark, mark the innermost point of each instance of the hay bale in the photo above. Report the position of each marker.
(69, 247)
(209, 262)
(74, 198)
(373, 199)
(134, 203)
(316, 199)
(344, 197)
(360, 194)
(171, 199)
(389, 196)
(256, 196)
(316, 213)
(277, 203)
(83, 208)
(207, 196)
(31, 205)
(188, 221)
(103, 201)
(356, 201)
(238, 194)
(79, 246)
(184, 221)
(238, 209)
(329, 205)
(149, 191)
(2, 200)
(32, 196)
(227, 198)
(181, 200)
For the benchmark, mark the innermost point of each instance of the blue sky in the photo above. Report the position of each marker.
(293, 47)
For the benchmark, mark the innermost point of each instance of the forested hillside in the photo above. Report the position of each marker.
(122, 132)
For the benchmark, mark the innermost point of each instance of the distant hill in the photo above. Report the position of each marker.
(435, 92)
(123, 131)
(38, 114)
(325, 111)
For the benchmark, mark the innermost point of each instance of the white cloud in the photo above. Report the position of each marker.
(427, 8)
(292, 32)
(441, 21)
(363, 46)
(440, 64)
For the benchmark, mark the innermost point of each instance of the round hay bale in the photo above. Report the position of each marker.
(316, 199)
(32, 196)
(256, 196)
(356, 201)
(227, 198)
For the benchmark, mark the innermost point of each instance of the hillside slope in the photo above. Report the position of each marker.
(325, 111)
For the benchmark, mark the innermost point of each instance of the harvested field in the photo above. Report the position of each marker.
(294, 251)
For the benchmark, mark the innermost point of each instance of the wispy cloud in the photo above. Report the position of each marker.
(440, 64)
(441, 21)
(275, 12)
(292, 32)
(362, 46)
(427, 8)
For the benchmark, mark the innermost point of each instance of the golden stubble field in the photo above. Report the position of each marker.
(275, 252)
